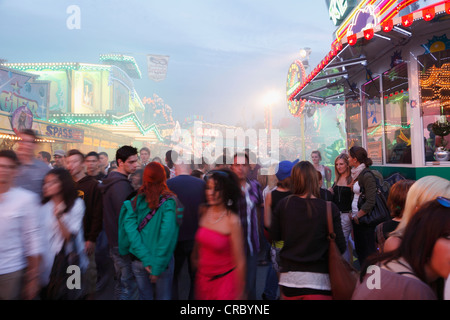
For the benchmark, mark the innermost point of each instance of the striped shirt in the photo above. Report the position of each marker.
(249, 203)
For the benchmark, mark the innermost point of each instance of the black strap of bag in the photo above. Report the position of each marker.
(150, 215)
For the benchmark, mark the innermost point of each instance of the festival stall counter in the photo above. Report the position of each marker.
(390, 67)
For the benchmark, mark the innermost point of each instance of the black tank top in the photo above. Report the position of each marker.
(343, 197)
(277, 196)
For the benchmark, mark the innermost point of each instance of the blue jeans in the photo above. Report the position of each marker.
(161, 290)
(126, 287)
(271, 287)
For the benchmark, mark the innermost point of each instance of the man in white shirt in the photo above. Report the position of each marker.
(31, 172)
(20, 237)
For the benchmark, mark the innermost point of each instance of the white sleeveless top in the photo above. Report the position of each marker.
(357, 192)
(324, 180)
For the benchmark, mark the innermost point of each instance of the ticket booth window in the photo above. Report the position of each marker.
(397, 127)
(371, 101)
(434, 79)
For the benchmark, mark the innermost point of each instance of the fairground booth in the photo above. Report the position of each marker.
(389, 65)
(90, 107)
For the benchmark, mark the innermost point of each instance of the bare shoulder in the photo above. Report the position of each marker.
(392, 243)
(234, 220)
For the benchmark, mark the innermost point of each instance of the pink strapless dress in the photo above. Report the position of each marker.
(215, 278)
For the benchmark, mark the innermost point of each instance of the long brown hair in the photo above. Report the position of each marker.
(154, 184)
(304, 180)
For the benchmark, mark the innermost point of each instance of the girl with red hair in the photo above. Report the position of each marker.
(148, 230)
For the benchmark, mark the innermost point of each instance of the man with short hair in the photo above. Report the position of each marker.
(191, 192)
(60, 159)
(31, 172)
(250, 212)
(104, 162)
(116, 187)
(20, 234)
(144, 154)
(92, 162)
(45, 157)
(89, 191)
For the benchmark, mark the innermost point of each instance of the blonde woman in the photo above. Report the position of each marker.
(316, 157)
(423, 190)
(343, 195)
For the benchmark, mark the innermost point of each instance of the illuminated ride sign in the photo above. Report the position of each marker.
(296, 76)
(368, 14)
(339, 9)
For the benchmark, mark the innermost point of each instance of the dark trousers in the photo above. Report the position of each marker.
(182, 253)
(364, 241)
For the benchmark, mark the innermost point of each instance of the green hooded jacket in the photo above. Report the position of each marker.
(155, 244)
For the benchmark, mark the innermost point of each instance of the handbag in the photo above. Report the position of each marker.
(380, 211)
(57, 288)
(343, 276)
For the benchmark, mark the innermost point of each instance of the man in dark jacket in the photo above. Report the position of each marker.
(89, 191)
(191, 192)
(116, 187)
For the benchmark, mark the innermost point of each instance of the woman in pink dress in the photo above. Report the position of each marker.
(218, 253)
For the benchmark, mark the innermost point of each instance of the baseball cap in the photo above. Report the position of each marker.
(284, 169)
(60, 153)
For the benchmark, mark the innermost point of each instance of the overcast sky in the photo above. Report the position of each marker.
(224, 55)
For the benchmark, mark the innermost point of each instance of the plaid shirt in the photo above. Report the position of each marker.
(249, 203)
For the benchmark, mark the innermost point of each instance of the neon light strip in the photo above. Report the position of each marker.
(385, 7)
(381, 9)
(395, 11)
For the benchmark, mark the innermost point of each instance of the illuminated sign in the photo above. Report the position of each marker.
(339, 9)
(11, 101)
(59, 132)
(296, 76)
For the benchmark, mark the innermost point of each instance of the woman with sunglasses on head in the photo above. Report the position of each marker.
(218, 253)
(423, 190)
(416, 270)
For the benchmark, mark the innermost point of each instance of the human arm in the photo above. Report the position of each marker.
(70, 222)
(268, 210)
(391, 243)
(129, 222)
(32, 237)
(237, 245)
(327, 176)
(167, 237)
(337, 227)
(368, 184)
(275, 225)
(96, 216)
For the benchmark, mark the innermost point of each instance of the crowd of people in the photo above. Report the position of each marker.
(135, 221)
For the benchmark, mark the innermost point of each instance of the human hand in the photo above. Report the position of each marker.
(152, 277)
(58, 210)
(89, 247)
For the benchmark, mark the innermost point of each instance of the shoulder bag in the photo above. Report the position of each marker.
(57, 288)
(343, 276)
(380, 211)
